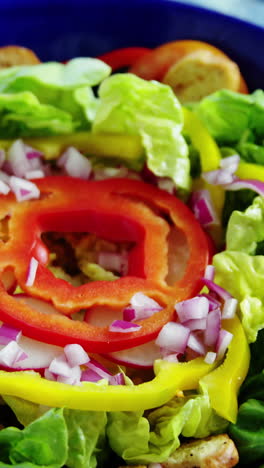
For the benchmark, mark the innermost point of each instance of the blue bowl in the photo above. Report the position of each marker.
(62, 29)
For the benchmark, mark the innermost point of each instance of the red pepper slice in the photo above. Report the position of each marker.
(124, 57)
(116, 209)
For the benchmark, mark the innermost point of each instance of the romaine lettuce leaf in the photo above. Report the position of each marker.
(50, 98)
(140, 439)
(130, 105)
(44, 442)
(228, 115)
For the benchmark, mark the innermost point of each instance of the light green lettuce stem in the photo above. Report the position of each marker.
(132, 106)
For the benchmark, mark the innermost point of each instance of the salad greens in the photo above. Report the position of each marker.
(55, 99)
(134, 106)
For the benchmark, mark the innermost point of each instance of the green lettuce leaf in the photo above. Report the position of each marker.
(140, 439)
(50, 98)
(130, 105)
(240, 269)
(44, 442)
(228, 115)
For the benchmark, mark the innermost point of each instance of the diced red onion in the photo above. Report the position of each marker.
(252, 184)
(32, 271)
(213, 302)
(32, 153)
(195, 344)
(88, 375)
(113, 261)
(35, 174)
(191, 309)
(73, 378)
(174, 337)
(121, 326)
(196, 324)
(4, 177)
(8, 333)
(230, 163)
(209, 272)
(223, 341)
(213, 326)
(202, 207)
(141, 307)
(75, 164)
(49, 375)
(18, 162)
(210, 357)
(11, 354)
(75, 355)
(23, 189)
(229, 308)
(218, 177)
(60, 366)
(221, 292)
(4, 188)
(99, 369)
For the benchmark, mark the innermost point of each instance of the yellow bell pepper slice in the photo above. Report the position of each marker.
(170, 378)
(126, 147)
(250, 171)
(210, 155)
(224, 382)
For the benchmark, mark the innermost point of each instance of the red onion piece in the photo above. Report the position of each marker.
(121, 326)
(4, 177)
(196, 344)
(174, 337)
(11, 354)
(49, 375)
(212, 328)
(35, 174)
(60, 366)
(73, 378)
(129, 314)
(4, 188)
(218, 177)
(32, 153)
(141, 300)
(252, 184)
(8, 333)
(229, 308)
(75, 355)
(196, 324)
(18, 162)
(117, 379)
(97, 367)
(75, 164)
(23, 189)
(221, 292)
(209, 272)
(213, 302)
(88, 375)
(141, 307)
(191, 309)
(210, 357)
(171, 358)
(223, 341)
(230, 163)
(154, 465)
(202, 207)
(32, 271)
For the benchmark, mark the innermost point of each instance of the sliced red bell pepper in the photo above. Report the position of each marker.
(118, 210)
(125, 57)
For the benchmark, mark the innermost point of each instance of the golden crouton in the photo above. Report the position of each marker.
(11, 56)
(200, 73)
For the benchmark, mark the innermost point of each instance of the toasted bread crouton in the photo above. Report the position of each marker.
(212, 452)
(200, 73)
(11, 56)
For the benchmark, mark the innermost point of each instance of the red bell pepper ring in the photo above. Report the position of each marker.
(116, 209)
(125, 57)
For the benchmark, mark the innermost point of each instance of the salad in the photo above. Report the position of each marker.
(131, 261)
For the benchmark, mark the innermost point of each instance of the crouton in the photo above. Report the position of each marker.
(200, 73)
(212, 452)
(14, 55)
